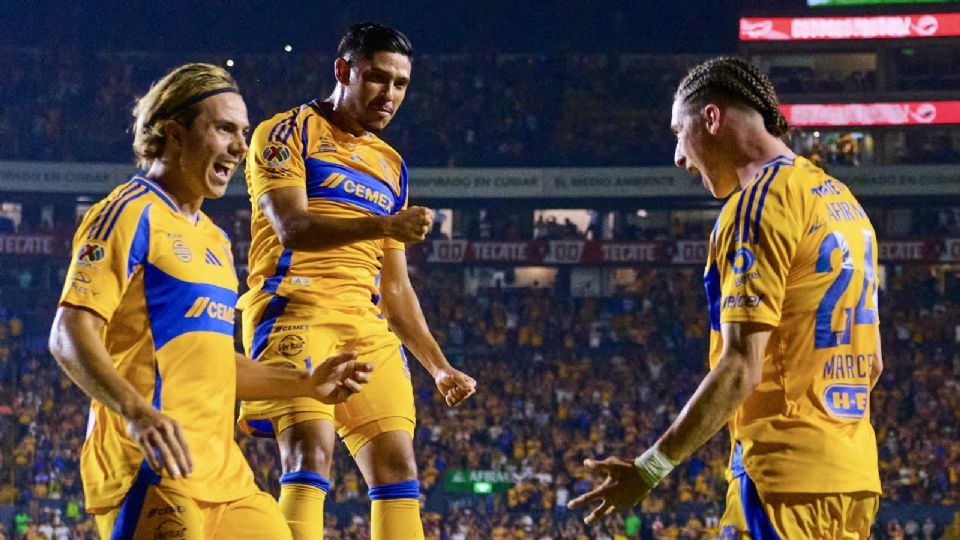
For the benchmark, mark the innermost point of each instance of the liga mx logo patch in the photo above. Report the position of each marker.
(91, 253)
(276, 155)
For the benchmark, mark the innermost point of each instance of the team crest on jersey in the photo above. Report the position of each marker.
(182, 251)
(91, 253)
(326, 145)
(387, 171)
(276, 155)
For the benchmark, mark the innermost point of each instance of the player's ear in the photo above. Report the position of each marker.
(173, 133)
(711, 115)
(341, 70)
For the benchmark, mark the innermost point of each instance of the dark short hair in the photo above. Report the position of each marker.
(366, 39)
(734, 78)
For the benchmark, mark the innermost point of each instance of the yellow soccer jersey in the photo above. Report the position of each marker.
(167, 289)
(796, 251)
(344, 176)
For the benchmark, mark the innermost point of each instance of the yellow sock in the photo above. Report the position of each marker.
(395, 512)
(302, 495)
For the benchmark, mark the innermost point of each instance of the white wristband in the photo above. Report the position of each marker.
(654, 465)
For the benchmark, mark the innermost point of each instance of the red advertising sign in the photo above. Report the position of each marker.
(536, 252)
(904, 113)
(590, 252)
(834, 28)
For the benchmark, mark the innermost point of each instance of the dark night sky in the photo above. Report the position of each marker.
(437, 26)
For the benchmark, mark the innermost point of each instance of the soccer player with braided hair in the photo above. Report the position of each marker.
(794, 343)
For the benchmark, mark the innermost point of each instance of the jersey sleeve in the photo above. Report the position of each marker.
(390, 243)
(112, 241)
(275, 157)
(758, 245)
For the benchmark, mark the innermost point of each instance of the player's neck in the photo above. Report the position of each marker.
(755, 152)
(339, 117)
(176, 187)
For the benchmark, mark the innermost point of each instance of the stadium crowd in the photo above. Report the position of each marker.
(561, 379)
(463, 110)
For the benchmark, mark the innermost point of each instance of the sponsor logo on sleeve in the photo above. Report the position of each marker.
(91, 253)
(743, 301)
(742, 260)
(276, 155)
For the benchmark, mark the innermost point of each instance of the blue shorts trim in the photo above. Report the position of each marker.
(126, 524)
(758, 522)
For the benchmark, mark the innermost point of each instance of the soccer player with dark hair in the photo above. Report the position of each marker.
(328, 270)
(145, 328)
(794, 344)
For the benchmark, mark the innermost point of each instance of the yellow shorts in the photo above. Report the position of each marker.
(814, 516)
(151, 511)
(299, 336)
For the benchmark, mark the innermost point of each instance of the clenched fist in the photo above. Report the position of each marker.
(411, 225)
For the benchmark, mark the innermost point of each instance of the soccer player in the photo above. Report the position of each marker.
(328, 270)
(794, 341)
(145, 328)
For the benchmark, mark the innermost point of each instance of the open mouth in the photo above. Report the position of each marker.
(223, 170)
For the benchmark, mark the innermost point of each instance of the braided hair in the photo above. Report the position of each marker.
(734, 78)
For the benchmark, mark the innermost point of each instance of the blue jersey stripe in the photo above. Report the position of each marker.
(290, 129)
(108, 207)
(403, 187)
(177, 307)
(273, 130)
(155, 188)
(278, 131)
(103, 229)
(140, 246)
(125, 526)
(736, 219)
(745, 234)
(283, 266)
(763, 198)
(119, 212)
(355, 188)
(107, 210)
(303, 136)
(261, 334)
